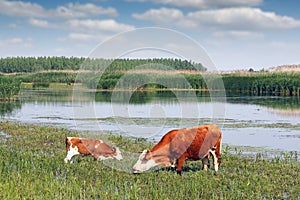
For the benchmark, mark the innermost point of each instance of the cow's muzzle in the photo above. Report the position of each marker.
(134, 171)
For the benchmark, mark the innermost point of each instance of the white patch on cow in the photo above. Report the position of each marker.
(71, 153)
(143, 165)
(215, 159)
(173, 164)
(103, 158)
(96, 146)
(205, 167)
(101, 141)
(119, 155)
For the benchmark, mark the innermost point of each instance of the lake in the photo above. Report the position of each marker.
(258, 123)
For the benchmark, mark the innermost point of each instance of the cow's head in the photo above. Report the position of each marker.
(144, 162)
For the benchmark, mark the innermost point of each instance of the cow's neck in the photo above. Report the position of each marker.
(161, 156)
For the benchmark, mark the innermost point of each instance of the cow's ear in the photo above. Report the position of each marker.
(144, 151)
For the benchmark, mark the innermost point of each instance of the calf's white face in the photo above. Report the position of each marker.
(71, 153)
(144, 162)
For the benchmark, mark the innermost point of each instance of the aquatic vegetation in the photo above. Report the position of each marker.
(9, 87)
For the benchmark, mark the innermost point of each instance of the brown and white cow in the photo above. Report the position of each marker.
(96, 148)
(178, 145)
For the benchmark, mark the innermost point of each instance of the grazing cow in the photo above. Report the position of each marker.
(178, 145)
(97, 148)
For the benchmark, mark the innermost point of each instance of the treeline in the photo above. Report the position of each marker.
(37, 64)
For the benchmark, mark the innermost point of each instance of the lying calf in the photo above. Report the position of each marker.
(96, 148)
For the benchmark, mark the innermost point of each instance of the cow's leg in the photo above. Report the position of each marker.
(215, 159)
(218, 150)
(180, 163)
(205, 163)
(72, 159)
(173, 162)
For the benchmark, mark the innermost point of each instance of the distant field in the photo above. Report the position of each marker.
(32, 167)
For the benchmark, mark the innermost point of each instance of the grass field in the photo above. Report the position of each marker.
(32, 167)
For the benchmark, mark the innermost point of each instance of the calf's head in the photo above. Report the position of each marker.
(144, 162)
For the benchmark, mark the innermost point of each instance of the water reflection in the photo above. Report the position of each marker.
(142, 97)
(7, 107)
(274, 102)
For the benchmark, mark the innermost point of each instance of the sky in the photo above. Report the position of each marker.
(236, 34)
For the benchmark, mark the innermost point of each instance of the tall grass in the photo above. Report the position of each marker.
(9, 87)
(32, 167)
(264, 83)
(250, 83)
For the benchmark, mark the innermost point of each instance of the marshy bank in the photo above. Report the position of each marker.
(32, 167)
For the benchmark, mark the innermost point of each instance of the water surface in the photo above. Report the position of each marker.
(271, 122)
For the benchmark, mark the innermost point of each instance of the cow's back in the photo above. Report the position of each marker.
(195, 142)
(206, 138)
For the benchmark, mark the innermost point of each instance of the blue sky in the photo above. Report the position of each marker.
(237, 34)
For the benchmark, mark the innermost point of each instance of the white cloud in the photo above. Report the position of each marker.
(80, 36)
(85, 29)
(244, 35)
(15, 41)
(205, 3)
(71, 10)
(86, 37)
(83, 10)
(39, 23)
(221, 19)
(241, 18)
(92, 30)
(161, 16)
(95, 26)
(20, 8)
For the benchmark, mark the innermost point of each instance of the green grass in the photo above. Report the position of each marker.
(32, 167)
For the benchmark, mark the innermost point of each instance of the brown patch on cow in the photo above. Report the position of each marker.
(92, 147)
(68, 144)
